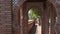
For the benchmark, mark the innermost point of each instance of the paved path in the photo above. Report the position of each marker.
(36, 29)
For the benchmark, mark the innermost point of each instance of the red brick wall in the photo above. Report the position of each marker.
(5, 17)
(16, 23)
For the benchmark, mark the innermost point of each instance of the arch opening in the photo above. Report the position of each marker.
(52, 19)
(34, 15)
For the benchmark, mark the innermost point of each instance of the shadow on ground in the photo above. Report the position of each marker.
(33, 30)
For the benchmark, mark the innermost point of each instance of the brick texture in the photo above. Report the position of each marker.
(16, 23)
(5, 17)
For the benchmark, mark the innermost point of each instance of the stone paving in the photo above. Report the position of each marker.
(36, 29)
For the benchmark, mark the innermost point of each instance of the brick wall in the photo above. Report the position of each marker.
(16, 23)
(5, 17)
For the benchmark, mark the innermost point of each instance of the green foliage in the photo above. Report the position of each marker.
(34, 13)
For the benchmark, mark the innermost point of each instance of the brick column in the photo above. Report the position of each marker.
(16, 19)
(5, 17)
(45, 20)
(23, 20)
(45, 24)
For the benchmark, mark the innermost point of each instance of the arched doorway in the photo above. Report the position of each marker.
(34, 21)
(24, 13)
(45, 15)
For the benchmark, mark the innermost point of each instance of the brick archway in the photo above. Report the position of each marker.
(45, 16)
(16, 23)
(38, 5)
(53, 15)
(24, 14)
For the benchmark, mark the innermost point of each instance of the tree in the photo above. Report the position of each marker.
(34, 13)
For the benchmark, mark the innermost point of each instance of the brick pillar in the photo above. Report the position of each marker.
(23, 20)
(45, 24)
(16, 19)
(45, 20)
(5, 17)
